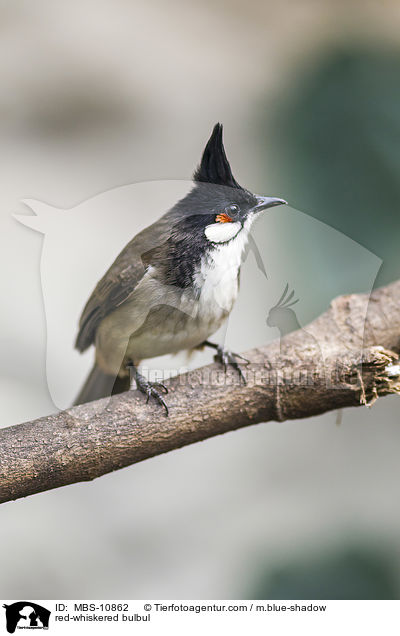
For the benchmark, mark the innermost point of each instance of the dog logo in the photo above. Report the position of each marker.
(26, 615)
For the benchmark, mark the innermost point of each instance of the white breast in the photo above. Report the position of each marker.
(217, 277)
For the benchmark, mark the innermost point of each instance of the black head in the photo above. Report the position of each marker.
(214, 212)
(217, 197)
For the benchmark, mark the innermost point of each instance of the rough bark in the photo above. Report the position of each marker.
(346, 357)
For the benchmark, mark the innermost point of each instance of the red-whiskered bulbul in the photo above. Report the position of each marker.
(174, 284)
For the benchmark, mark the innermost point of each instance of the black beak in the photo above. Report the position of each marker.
(267, 202)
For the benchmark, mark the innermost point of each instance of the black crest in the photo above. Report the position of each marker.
(214, 166)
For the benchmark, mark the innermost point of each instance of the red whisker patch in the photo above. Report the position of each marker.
(223, 218)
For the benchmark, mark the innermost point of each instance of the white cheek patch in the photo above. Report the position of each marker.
(222, 232)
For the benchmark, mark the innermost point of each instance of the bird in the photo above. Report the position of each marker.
(174, 284)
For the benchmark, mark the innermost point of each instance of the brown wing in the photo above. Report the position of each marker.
(120, 280)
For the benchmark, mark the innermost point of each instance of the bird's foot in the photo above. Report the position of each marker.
(151, 389)
(228, 358)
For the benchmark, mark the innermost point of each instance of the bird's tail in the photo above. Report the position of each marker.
(99, 384)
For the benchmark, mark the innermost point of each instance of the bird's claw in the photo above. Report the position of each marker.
(151, 389)
(161, 386)
(237, 355)
(227, 358)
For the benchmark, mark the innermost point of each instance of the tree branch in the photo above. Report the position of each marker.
(346, 357)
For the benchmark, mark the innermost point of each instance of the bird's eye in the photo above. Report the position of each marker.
(232, 210)
(228, 215)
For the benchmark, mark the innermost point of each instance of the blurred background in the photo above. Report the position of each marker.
(102, 94)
